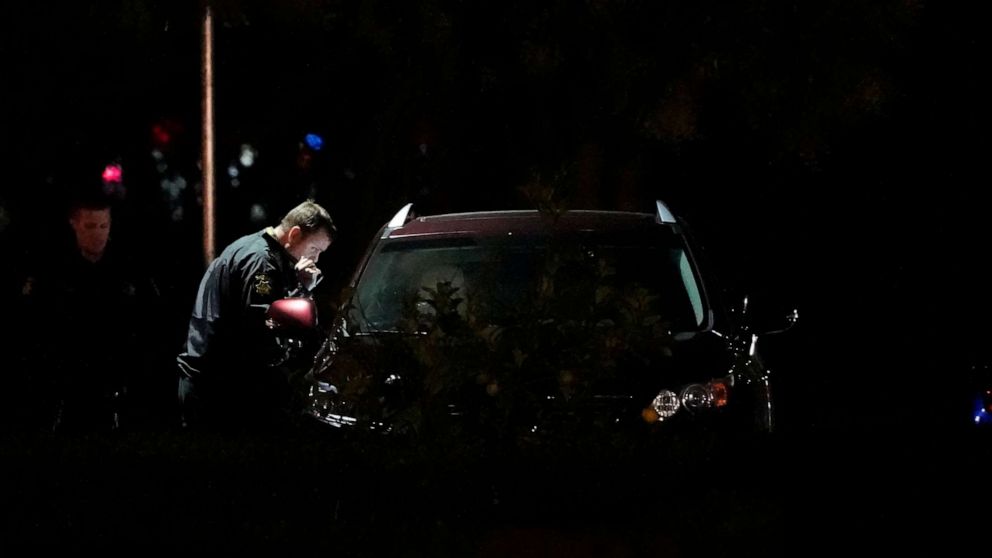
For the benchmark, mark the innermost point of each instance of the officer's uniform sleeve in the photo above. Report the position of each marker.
(263, 284)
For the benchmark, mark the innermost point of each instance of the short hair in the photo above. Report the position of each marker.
(310, 217)
(90, 201)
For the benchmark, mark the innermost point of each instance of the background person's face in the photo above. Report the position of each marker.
(92, 229)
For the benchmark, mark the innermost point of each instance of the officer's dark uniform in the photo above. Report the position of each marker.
(228, 372)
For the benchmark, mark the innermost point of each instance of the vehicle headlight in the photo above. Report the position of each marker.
(665, 404)
(695, 397)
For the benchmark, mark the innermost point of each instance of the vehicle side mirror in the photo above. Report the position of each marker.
(781, 324)
(292, 315)
(767, 319)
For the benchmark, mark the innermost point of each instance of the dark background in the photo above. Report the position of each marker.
(828, 155)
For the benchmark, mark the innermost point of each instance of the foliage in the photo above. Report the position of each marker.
(454, 377)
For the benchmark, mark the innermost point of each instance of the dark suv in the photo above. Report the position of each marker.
(529, 325)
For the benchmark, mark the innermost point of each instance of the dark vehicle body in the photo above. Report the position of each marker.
(530, 326)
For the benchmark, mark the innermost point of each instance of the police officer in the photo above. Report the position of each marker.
(229, 374)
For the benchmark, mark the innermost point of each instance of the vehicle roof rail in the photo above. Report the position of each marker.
(663, 214)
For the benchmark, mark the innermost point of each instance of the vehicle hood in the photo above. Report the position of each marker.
(387, 376)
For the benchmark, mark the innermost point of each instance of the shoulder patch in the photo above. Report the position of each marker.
(263, 285)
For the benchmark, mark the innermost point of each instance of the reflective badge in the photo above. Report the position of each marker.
(262, 285)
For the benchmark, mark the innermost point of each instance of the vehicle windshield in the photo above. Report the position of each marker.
(499, 281)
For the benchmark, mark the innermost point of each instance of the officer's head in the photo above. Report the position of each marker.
(309, 230)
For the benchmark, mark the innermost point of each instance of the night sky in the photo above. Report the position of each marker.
(828, 156)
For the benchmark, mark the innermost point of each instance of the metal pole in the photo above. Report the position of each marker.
(207, 101)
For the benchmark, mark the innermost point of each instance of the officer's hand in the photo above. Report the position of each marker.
(308, 272)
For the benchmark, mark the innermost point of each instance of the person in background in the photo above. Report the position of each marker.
(229, 373)
(89, 308)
